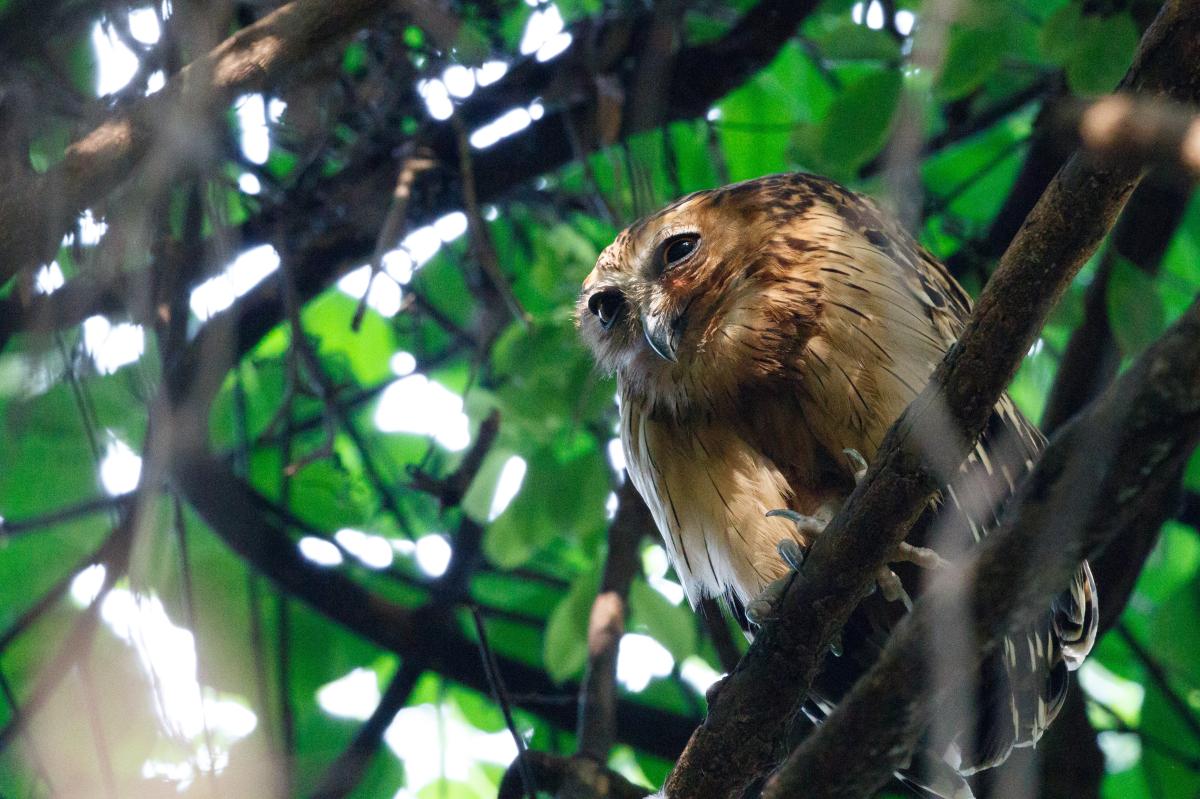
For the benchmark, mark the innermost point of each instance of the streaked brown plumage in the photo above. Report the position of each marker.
(757, 331)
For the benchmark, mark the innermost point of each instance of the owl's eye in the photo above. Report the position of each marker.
(606, 305)
(679, 248)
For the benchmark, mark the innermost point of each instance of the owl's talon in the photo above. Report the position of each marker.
(766, 603)
(858, 461)
(890, 585)
(763, 606)
(792, 553)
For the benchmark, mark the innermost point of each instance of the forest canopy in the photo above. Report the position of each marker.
(308, 486)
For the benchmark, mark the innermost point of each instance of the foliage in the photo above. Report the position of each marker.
(417, 378)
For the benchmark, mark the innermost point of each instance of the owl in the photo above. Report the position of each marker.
(764, 337)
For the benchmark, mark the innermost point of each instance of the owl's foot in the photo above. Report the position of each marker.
(765, 604)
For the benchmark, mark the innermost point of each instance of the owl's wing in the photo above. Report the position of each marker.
(894, 310)
(1037, 661)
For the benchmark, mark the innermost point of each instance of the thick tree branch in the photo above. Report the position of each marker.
(229, 507)
(1100, 474)
(749, 713)
(365, 185)
(35, 214)
(1068, 761)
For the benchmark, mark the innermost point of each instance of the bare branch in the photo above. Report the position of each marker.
(231, 509)
(34, 216)
(450, 489)
(598, 695)
(392, 230)
(1123, 127)
(344, 774)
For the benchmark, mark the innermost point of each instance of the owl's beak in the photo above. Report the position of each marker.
(663, 335)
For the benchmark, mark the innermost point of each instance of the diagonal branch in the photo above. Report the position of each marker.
(1100, 474)
(541, 148)
(345, 773)
(229, 507)
(748, 716)
(598, 698)
(35, 214)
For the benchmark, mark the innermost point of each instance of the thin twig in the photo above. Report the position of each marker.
(481, 241)
(344, 774)
(77, 642)
(253, 600)
(189, 610)
(500, 694)
(449, 490)
(1185, 759)
(35, 754)
(10, 528)
(392, 229)
(1158, 675)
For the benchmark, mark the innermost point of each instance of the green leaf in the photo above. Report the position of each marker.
(563, 495)
(1059, 35)
(756, 121)
(841, 39)
(565, 646)
(1102, 55)
(477, 502)
(673, 626)
(859, 121)
(364, 354)
(972, 56)
(1096, 51)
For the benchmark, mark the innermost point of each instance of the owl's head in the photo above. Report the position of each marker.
(709, 283)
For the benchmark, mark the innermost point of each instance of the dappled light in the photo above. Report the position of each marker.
(351, 449)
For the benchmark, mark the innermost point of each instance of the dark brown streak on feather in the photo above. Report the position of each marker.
(886, 355)
(903, 382)
(857, 393)
(850, 308)
(670, 503)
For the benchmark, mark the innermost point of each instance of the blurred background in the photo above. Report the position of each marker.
(306, 482)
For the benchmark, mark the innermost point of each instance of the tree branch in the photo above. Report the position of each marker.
(35, 215)
(543, 147)
(229, 507)
(748, 716)
(598, 695)
(344, 774)
(1096, 478)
